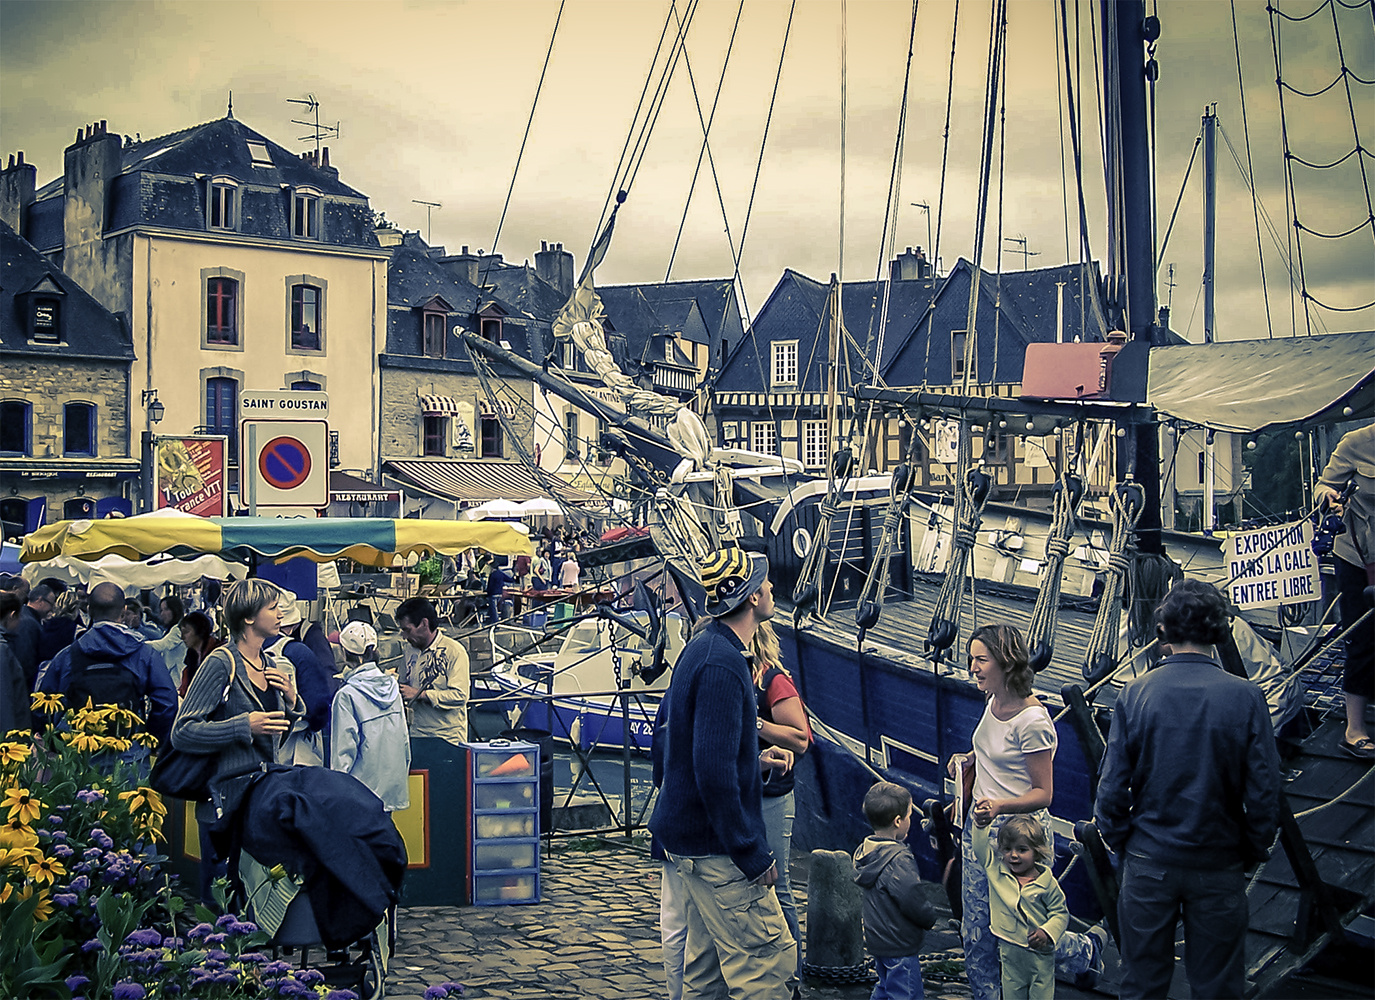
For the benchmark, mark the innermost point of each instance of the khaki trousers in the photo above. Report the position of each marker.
(738, 944)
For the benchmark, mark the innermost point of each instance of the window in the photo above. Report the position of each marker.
(302, 385)
(435, 433)
(223, 207)
(78, 507)
(78, 429)
(305, 317)
(570, 433)
(491, 330)
(14, 427)
(47, 321)
(957, 348)
(259, 154)
(305, 215)
(491, 436)
(222, 312)
(764, 437)
(222, 411)
(569, 362)
(814, 443)
(434, 334)
(785, 363)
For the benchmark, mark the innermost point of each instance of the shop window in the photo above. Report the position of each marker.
(78, 430)
(15, 427)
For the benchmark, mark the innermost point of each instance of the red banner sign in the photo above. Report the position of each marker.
(189, 474)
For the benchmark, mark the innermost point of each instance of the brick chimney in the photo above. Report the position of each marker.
(555, 265)
(909, 266)
(17, 185)
(90, 166)
(464, 265)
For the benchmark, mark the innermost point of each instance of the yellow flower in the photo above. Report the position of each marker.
(44, 910)
(149, 823)
(14, 832)
(116, 743)
(14, 753)
(121, 716)
(5, 891)
(22, 805)
(46, 869)
(44, 702)
(88, 721)
(85, 742)
(142, 798)
(18, 857)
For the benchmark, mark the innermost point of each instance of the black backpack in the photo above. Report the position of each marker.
(103, 683)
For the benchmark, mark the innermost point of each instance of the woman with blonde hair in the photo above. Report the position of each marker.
(782, 723)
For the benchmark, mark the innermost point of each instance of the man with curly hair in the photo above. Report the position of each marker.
(1188, 800)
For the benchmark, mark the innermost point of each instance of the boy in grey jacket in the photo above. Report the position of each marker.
(369, 739)
(896, 913)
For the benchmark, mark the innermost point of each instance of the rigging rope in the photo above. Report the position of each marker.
(973, 487)
(1040, 633)
(940, 200)
(1255, 197)
(1101, 654)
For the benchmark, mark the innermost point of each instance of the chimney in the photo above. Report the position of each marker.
(89, 169)
(555, 265)
(17, 185)
(464, 265)
(908, 266)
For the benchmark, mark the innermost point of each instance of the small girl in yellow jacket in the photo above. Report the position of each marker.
(1027, 911)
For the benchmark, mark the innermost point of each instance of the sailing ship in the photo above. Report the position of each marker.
(887, 574)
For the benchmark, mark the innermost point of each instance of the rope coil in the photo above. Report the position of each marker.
(1101, 655)
(1040, 637)
(971, 497)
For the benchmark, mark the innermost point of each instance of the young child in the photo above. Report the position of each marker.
(1027, 911)
(369, 738)
(896, 912)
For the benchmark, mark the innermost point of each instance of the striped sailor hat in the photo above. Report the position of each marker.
(730, 576)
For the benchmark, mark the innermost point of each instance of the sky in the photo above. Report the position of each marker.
(433, 100)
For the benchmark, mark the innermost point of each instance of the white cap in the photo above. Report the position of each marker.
(357, 638)
(290, 608)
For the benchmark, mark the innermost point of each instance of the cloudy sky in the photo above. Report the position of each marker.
(433, 99)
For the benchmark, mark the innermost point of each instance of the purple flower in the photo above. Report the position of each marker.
(214, 938)
(75, 983)
(93, 945)
(277, 968)
(341, 995)
(172, 942)
(253, 958)
(103, 839)
(216, 955)
(92, 854)
(79, 884)
(89, 795)
(199, 931)
(226, 920)
(436, 993)
(225, 978)
(62, 851)
(145, 937)
(129, 991)
(171, 989)
(65, 899)
(310, 976)
(243, 927)
(455, 989)
(54, 820)
(59, 836)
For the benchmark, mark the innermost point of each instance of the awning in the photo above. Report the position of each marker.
(435, 406)
(485, 407)
(344, 488)
(465, 482)
(1251, 385)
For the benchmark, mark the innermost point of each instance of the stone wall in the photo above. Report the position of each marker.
(49, 385)
(401, 423)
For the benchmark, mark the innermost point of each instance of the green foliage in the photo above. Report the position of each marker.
(430, 570)
(31, 959)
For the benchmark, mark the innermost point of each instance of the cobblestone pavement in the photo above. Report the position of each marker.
(596, 934)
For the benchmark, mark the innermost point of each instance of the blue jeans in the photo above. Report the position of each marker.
(898, 979)
(1215, 912)
(779, 813)
(1074, 952)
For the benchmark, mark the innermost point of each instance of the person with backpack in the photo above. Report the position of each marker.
(109, 664)
(314, 680)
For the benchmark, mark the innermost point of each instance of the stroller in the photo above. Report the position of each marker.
(361, 966)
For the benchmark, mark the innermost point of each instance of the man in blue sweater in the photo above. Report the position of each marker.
(1188, 800)
(709, 817)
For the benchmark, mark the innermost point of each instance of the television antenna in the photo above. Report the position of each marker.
(1026, 254)
(317, 130)
(430, 206)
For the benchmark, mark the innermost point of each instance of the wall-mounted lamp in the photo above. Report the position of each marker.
(155, 408)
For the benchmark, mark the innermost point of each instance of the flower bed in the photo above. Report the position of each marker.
(86, 909)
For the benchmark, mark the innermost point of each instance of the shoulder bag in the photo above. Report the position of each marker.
(185, 775)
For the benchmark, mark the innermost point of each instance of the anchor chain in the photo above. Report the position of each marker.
(1100, 659)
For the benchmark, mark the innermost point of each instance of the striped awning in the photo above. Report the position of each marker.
(486, 408)
(432, 406)
(466, 481)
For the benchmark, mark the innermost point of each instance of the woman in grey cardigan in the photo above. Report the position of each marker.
(241, 705)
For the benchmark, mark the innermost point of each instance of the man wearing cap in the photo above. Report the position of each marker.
(368, 735)
(709, 816)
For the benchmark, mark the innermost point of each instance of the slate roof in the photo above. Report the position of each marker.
(715, 299)
(158, 185)
(89, 329)
(521, 286)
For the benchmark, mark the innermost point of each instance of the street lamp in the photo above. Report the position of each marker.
(155, 407)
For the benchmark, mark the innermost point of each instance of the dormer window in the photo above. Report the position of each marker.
(259, 154)
(305, 213)
(434, 334)
(222, 211)
(491, 330)
(47, 321)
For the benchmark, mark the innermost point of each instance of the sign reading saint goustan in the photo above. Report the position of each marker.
(284, 405)
(1272, 566)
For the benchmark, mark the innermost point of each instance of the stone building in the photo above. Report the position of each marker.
(235, 263)
(66, 446)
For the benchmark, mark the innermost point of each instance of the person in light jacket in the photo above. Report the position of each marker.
(370, 740)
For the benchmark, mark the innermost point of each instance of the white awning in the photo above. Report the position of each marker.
(508, 408)
(438, 405)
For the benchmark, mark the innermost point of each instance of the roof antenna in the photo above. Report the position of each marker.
(231, 104)
(317, 131)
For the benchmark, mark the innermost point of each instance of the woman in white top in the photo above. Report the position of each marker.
(1014, 749)
(568, 572)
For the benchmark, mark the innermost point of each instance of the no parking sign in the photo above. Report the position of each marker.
(285, 463)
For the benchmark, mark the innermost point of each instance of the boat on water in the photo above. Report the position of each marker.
(887, 579)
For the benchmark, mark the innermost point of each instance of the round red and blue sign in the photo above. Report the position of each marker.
(284, 463)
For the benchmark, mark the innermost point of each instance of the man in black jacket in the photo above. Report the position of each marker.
(1188, 800)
